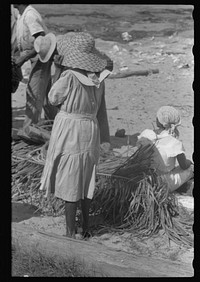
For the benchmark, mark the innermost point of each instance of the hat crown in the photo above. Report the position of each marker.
(83, 42)
(44, 47)
(78, 51)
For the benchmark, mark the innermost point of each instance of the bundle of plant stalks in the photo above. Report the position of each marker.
(134, 198)
(129, 194)
(143, 209)
(117, 179)
(27, 166)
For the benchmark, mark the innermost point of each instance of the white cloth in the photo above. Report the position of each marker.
(28, 24)
(89, 80)
(92, 184)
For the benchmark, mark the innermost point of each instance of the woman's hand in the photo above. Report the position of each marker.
(58, 60)
(24, 57)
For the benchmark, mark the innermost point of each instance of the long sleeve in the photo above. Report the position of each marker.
(103, 120)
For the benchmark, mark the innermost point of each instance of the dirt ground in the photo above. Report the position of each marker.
(160, 37)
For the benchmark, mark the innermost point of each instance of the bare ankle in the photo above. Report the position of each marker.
(70, 235)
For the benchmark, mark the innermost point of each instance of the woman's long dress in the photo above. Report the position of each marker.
(74, 145)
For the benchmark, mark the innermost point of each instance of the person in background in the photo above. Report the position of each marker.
(79, 127)
(169, 155)
(29, 26)
(16, 71)
(14, 16)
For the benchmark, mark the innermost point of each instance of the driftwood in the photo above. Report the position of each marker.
(101, 258)
(122, 74)
(132, 73)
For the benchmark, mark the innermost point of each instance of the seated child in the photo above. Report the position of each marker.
(168, 148)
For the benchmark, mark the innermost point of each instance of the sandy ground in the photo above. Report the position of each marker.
(132, 104)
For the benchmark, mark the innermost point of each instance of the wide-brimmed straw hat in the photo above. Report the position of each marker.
(78, 50)
(45, 46)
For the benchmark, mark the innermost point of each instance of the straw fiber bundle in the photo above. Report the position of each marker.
(129, 194)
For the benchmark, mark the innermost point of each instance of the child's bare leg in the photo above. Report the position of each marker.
(85, 206)
(70, 216)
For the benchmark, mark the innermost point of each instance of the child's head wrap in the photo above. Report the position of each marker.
(170, 118)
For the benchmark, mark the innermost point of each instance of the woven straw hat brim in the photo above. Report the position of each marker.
(86, 61)
(91, 61)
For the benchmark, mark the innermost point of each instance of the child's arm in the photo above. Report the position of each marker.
(183, 162)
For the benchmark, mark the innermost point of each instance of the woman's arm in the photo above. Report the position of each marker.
(103, 120)
(19, 61)
(183, 161)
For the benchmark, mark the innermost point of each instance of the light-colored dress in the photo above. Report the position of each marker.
(74, 145)
(14, 17)
(164, 160)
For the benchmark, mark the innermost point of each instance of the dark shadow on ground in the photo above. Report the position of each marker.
(186, 189)
(23, 211)
(118, 142)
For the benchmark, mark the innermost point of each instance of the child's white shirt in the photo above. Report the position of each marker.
(166, 150)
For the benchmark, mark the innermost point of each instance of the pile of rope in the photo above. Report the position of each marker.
(129, 194)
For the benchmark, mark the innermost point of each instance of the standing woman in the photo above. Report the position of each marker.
(30, 25)
(79, 127)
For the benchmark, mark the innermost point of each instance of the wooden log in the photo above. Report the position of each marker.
(102, 259)
(34, 134)
(132, 73)
(129, 73)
